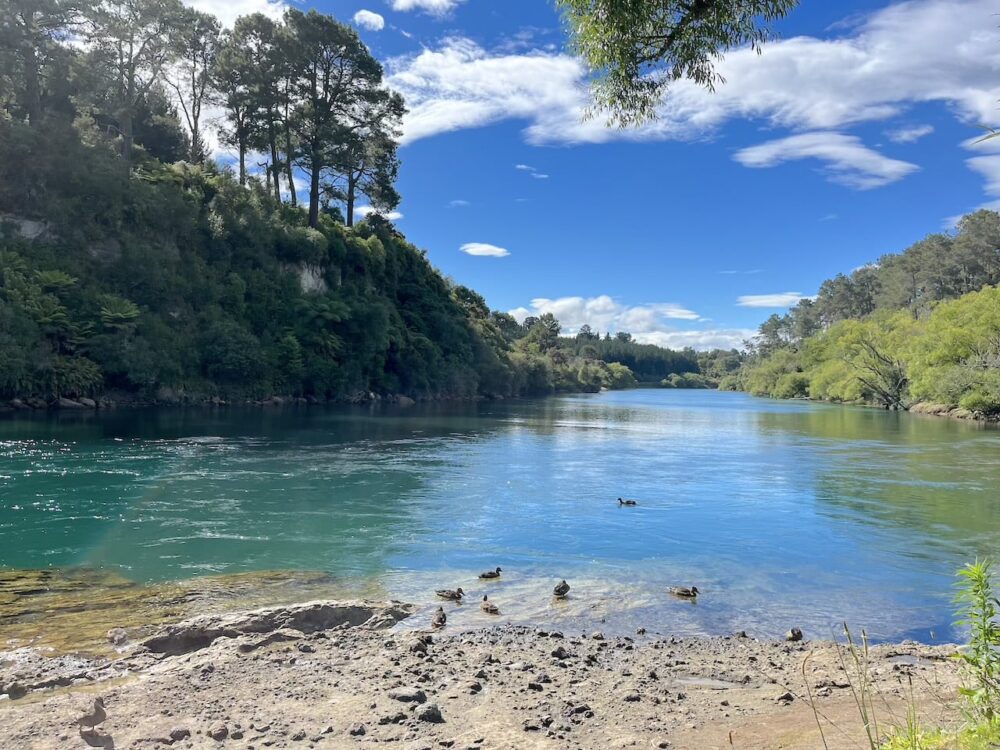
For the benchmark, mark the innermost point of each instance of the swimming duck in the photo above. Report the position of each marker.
(491, 573)
(489, 607)
(684, 592)
(622, 501)
(439, 619)
(561, 589)
(455, 596)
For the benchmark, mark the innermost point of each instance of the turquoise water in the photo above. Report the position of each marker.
(782, 513)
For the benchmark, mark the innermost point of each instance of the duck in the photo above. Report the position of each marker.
(491, 573)
(623, 501)
(561, 589)
(439, 619)
(96, 716)
(685, 592)
(489, 607)
(455, 596)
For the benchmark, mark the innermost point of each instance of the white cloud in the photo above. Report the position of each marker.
(605, 314)
(539, 175)
(434, 7)
(864, 74)
(524, 167)
(800, 83)
(735, 272)
(989, 168)
(458, 203)
(367, 19)
(653, 323)
(909, 134)
(365, 211)
(484, 250)
(847, 160)
(713, 338)
(227, 11)
(781, 299)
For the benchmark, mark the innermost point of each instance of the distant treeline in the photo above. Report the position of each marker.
(919, 326)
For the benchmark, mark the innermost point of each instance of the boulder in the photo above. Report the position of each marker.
(88, 402)
(405, 400)
(408, 695)
(68, 403)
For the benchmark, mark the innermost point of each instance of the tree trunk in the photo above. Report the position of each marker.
(275, 164)
(32, 92)
(127, 134)
(351, 185)
(288, 166)
(315, 169)
(243, 162)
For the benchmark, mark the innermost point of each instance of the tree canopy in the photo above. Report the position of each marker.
(636, 48)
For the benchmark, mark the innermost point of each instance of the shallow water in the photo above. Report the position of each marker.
(782, 513)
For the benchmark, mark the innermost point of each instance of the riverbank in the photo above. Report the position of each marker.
(338, 675)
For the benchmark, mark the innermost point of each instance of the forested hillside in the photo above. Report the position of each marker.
(132, 265)
(921, 326)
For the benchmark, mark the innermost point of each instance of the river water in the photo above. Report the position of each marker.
(782, 513)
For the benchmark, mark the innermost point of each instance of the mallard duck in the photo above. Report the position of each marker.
(623, 501)
(96, 716)
(561, 589)
(455, 596)
(491, 573)
(684, 592)
(439, 619)
(489, 607)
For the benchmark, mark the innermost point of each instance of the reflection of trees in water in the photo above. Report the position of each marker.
(937, 477)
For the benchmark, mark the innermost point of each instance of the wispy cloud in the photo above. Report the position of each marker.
(458, 203)
(733, 272)
(847, 161)
(433, 7)
(909, 134)
(367, 19)
(364, 211)
(484, 250)
(524, 167)
(780, 299)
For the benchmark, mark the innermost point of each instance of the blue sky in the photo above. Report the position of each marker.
(848, 138)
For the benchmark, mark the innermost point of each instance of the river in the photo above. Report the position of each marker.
(782, 513)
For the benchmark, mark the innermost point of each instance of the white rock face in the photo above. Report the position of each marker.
(311, 279)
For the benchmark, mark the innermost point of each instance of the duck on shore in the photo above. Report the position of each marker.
(489, 607)
(455, 596)
(439, 619)
(561, 589)
(623, 501)
(685, 592)
(491, 573)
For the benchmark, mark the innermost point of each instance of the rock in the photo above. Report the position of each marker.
(68, 403)
(430, 713)
(14, 690)
(179, 733)
(357, 730)
(88, 402)
(536, 686)
(395, 718)
(405, 400)
(117, 636)
(785, 698)
(560, 653)
(597, 635)
(310, 617)
(218, 731)
(632, 697)
(793, 635)
(408, 695)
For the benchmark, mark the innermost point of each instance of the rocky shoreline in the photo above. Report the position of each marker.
(340, 675)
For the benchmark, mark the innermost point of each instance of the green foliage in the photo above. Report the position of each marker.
(921, 326)
(649, 363)
(977, 611)
(638, 48)
(687, 380)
